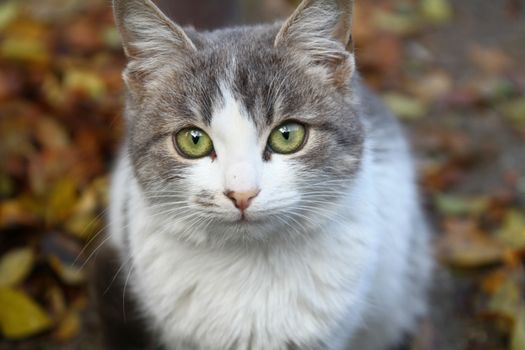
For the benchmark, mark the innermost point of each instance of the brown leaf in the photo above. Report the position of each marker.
(431, 87)
(490, 60)
(68, 327)
(51, 134)
(463, 245)
(16, 212)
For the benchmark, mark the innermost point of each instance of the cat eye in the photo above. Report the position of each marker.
(193, 143)
(287, 138)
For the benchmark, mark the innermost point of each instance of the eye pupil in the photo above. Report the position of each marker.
(195, 137)
(286, 134)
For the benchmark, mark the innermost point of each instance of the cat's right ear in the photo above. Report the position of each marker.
(150, 39)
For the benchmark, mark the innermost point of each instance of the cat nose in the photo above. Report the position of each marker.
(242, 200)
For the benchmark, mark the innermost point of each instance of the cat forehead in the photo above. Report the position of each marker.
(265, 86)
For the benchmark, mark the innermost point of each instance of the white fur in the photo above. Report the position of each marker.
(338, 284)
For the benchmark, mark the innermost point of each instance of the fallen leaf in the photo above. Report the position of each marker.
(68, 327)
(20, 316)
(61, 200)
(397, 23)
(454, 205)
(15, 212)
(431, 87)
(8, 12)
(57, 302)
(494, 280)
(85, 82)
(517, 341)
(512, 234)
(67, 273)
(81, 34)
(515, 110)
(111, 38)
(490, 60)
(436, 11)
(7, 185)
(15, 266)
(506, 301)
(463, 245)
(24, 50)
(384, 56)
(51, 134)
(85, 219)
(405, 107)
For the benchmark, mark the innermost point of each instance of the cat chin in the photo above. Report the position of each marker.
(225, 232)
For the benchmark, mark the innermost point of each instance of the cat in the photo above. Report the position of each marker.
(264, 198)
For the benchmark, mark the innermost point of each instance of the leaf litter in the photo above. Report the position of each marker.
(60, 122)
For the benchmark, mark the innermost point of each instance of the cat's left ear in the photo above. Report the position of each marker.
(320, 32)
(150, 39)
(146, 31)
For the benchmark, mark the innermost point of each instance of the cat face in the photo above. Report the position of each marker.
(241, 133)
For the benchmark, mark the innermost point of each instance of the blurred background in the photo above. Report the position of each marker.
(452, 70)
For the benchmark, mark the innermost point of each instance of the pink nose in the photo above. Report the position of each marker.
(242, 200)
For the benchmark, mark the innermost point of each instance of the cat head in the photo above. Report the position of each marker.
(241, 133)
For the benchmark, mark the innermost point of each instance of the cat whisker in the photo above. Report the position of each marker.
(93, 252)
(116, 274)
(124, 316)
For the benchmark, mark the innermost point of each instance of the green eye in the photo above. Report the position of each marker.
(287, 138)
(193, 143)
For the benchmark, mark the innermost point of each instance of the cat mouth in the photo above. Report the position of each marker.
(245, 219)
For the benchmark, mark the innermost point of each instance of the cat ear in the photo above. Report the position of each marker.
(320, 31)
(150, 39)
(146, 31)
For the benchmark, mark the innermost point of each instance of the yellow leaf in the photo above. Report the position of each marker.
(518, 333)
(437, 11)
(16, 212)
(512, 234)
(61, 201)
(453, 205)
(87, 82)
(400, 24)
(20, 317)
(506, 300)
(84, 220)
(24, 50)
(515, 110)
(8, 12)
(15, 266)
(405, 107)
(68, 274)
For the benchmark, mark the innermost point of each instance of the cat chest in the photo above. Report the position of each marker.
(246, 300)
